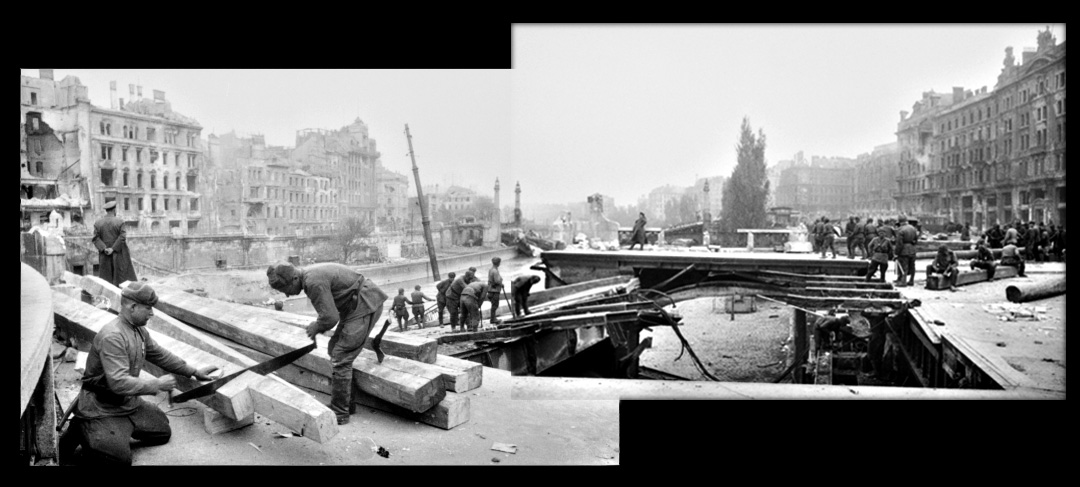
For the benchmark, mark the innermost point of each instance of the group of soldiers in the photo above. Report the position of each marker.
(1038, 241)
(463, 296)
(895, 240)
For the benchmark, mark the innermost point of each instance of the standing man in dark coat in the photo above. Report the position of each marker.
(849, 235)
(869, 232)
(638, 237)
(828, 234)
(495, 287)
(417, 300)
(109, 412)
(110, 238)
(815, 232)
(520, 288)
(341, 297)
(857, 240)
(440, 293)
(879, 259)
(994, 236)
(907, 238)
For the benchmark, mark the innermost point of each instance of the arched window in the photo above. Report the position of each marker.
(165, 181)
(39, 168)
(126, 173)
(177, 182)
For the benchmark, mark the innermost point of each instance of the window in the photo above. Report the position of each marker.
(165, 181)
(153, 204)
(178, 182)
(153, 182)
(140, 200)
(126, 173)
(191, 160)
(138, 181)
(127, 204)
(138, 155)
(164, 157)
(106, 152)
(177, 203)
(151, 134)
(33, 96)
(166, 204)
(194, 204)
(153, 156)
(1061, 79)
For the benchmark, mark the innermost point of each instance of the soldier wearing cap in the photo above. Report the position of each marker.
(906, 238)
(110, 238)
(109, 412)
(494, 286)
(341, 297)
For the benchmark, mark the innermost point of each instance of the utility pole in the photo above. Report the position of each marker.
(423, 210)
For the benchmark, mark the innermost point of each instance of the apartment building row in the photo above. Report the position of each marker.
(165, 178)
(990, 156)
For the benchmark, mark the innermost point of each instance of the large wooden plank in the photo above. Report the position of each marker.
(84, 322)
(474, 372)
(286, 405)
(272, 337)
(401, 345)
(452, 411)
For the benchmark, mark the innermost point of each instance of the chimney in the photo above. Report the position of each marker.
(138, 90)
(131, 91)
(903, 115)
(957, 94)
(121, 103)
(112, 95)
(46, 74)
(1029, 54)
(159, 95)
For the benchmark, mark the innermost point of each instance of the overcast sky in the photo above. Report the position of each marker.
(612, 109)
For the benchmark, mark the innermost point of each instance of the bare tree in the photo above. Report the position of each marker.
(350, 233)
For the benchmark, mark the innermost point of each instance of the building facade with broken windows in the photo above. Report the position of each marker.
(77, 156)
(874, 188)
(984, 157)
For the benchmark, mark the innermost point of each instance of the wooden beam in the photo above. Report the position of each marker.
(234, 399)
(272, 337)
(452, 411)
(401, 345)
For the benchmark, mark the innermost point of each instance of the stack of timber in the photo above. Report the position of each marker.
(413, 380)
(237, 400)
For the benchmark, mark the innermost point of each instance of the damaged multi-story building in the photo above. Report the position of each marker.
(306, 189)
(990, 156)
(141, 154)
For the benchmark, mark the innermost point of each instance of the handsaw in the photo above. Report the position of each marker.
(262, 369)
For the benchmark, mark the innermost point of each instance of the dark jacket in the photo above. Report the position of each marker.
(908, 237)
(116, 268)
(336, 290)
(111, 382)
(441, 288)
(453, 293)
(881, 248)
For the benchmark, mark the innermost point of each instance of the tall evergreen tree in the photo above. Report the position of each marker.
(747, 190)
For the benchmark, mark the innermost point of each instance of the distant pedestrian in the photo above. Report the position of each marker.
(869, 232)
(856, 242)
(417, 301)
(908, 238)
(815, 232)
(638, 236)
(399, 309)
(114, 257)
(828, 235)
(881, 249)
(495, 287)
